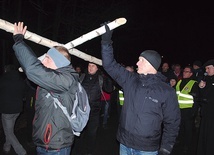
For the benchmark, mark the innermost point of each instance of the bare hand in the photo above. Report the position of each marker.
(20, 28)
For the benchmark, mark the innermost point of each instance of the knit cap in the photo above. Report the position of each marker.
(209, 62)
(152, 57)
(59, 59)
(197, 63)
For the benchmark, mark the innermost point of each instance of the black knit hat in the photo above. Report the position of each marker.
(152, 57)
(209, 62)
(197, 63)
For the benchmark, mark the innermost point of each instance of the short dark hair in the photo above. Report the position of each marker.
(190, 67)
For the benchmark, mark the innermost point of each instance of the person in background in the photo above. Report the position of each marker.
(177, 72)
(78, 69)
(94, 83)
(173, 82)
(166, 71)
(12, 92)
(150, 116)
(206, 134)
(198, 72)
(198, 75)
(188, 94)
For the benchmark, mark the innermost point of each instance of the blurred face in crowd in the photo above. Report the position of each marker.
(210, 70)
(172, 82)
(78, 69)
(165, 67)
(92, 68)
(177, 69)
(187, 73)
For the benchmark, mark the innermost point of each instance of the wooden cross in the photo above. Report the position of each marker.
(9, 27)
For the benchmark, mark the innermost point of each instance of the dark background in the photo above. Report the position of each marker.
(180, 31)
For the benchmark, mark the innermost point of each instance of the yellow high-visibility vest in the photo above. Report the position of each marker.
(121, 97)
(185, 100)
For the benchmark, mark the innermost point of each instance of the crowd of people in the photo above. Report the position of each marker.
(158, 104)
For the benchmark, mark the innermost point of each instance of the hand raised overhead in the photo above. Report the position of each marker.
(106, 37)
(19, 28)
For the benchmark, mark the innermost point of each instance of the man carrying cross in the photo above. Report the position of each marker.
(52, 133)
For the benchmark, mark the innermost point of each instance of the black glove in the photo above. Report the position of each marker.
(106, 37)
(18, 38)
(163, 152)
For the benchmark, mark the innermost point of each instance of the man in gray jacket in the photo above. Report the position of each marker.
(52, 132)
(150, 116)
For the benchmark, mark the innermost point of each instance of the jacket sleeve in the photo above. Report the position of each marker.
(35, 71)
(171, 121)
(107, 84)
(195, 94)
(114, 69)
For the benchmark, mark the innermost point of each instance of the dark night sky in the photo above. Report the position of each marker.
(180, 32)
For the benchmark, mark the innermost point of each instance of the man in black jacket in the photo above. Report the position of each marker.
(206, 135)
(149, 104)
(94, 83)
(52, 132)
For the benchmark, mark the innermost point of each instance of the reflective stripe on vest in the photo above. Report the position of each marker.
(121, 97)
(185, 100)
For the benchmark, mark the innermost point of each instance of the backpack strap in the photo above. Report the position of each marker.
(82, 76)
(80, 111)
(64, 110)
(100, 77)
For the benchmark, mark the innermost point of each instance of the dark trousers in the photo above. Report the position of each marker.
(206, 136)
(186, 127)
(105, 111)
(87, 140)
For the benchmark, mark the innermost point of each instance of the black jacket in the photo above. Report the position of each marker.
(12, 92)
(93, 87)
(207, 98)
(149, 103)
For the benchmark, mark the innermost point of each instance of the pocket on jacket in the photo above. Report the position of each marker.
(47, 134)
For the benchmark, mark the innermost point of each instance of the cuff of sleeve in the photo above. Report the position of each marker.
(18, 38)
(164, 151)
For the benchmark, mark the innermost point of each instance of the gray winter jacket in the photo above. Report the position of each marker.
(51, 129)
